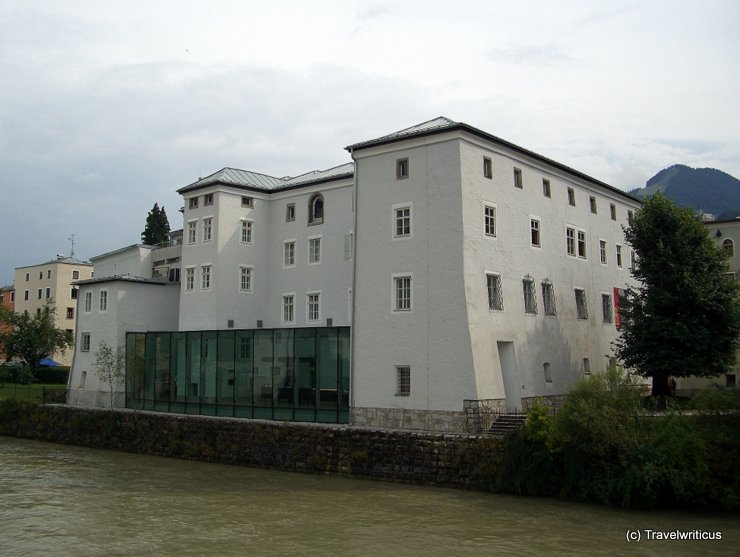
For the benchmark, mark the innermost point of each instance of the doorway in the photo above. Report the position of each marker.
(510, 375)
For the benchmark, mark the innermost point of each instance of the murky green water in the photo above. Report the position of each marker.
(62, 500)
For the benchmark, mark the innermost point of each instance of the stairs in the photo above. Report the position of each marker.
(504, 424)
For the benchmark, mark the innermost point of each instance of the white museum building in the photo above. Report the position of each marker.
(442, 271)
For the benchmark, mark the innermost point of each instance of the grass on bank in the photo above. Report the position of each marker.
(27, 392)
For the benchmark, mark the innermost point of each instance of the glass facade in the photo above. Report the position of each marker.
(274, 374)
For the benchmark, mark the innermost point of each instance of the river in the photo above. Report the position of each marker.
(64, 500)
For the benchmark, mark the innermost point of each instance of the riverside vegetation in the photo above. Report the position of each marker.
(604, 446)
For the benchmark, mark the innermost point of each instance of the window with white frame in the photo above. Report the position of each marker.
(606, 308)
(208, 229)
(205, 277)
(313, 301)
(314, 251)
(75, 275)
(85, 342)
(581, 244)
(245, 278)
(247, 201)
(193, 203)
(402, 293)
(288, 308)
(403, 381)
(40, 293)
(316, 209)
(534, 232)
(103, 300)
(48, 273)
(289, 253)
(247, 231)
(548, 298)
(487, 168)
(571, 197)
(489, 220)
(290, 212)
(192, 231)
(570, 241)
(530, 296)
(592, 204)
(402, 169)
(619, 255)
(602, 252)
(402, 222)
(48, 293)
(518, 180)
(88, 302)
(495, 295)
(190, 278)
(581, 307)
(208, 199)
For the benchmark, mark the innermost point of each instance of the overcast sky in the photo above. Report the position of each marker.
(107, 107)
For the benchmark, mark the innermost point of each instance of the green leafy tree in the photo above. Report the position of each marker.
(109, 366)
(31, 338)
(157, 227)
(684, 318)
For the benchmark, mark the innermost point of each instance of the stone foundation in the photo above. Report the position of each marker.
(405, 419)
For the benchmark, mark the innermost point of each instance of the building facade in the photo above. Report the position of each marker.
(469, 274)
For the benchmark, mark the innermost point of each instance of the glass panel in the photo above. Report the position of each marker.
(135, 369)
(150, 371)
(193, 369)
(179, 367)
(226, 379)
(326, 341)
(344, 359)
(162, 377)
(209, 353)
(305, 381)
(263, 368)
(283, 368)
(243, 364)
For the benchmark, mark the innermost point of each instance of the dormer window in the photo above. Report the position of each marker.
(208, 199)
(247, 201)
(193, 203)
(316, 209)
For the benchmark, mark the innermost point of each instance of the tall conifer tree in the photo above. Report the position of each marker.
(157, 227)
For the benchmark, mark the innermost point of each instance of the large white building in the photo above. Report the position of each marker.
(469, 273)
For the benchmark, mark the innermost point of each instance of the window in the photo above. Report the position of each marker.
(613, 211)
(728, 246)
(495, 296)
(314, 306)
(547, 369)
(75, 275)
(630, 214)
(247, 201)
(316, 209)
(402, 227)
(314, 251)
(571, 197)
(518, 181)
(88, 302)
(41, 275)
(602, 251)
(489, 219)
(245, 279)
(546, 188)
(570, 241)
(48, 293)
(70, 313)
(592, 204)
(48, 273)
(403, 381)
(548, 298)
(487, 168)
(190, 278)
(85, 342)
(586, 366)
(348, 242)
(83, 377)
(606, 308)
(633, 260)
(619, 256)
(192, 229)
(208, 199)
(288, 308)
(28, 277)
(402, 293)
(73, 293)
(289, 253)
(530, 299)
(247, 228)
(534, 231)
(205, 277)
(290, 212)
(581, 307)
(103, 300)
(193, 203)
(25, 295)
(402, 169)
(582, 244)
(208, 229)
(730, 380)
(40, 293)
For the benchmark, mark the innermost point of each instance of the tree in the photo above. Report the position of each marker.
(157, 227)
(109, 366)
(32, 338)
(684, 318)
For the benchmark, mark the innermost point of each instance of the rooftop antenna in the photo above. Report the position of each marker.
(72, 239)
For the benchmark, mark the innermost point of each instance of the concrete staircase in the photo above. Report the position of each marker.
(504, 424)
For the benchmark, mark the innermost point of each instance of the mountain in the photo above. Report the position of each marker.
(707, 189)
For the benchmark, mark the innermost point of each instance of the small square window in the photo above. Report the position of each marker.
(518, 180)
(403, 381)
(193, 203)
(487, 168)
(546, 187)
(613, 211)
(290, 212)
(571, 197)
(592, 204)
(247, 201)
(402, 169)
(208, 199)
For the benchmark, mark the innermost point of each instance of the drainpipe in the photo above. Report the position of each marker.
(354, 291)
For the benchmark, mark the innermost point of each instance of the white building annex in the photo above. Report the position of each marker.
(468, 272)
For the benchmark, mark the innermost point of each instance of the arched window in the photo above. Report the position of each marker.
(316, 209)
(548, 372)
(729, 247)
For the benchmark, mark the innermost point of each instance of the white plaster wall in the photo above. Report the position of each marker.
(134, 260)
(433, 338)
